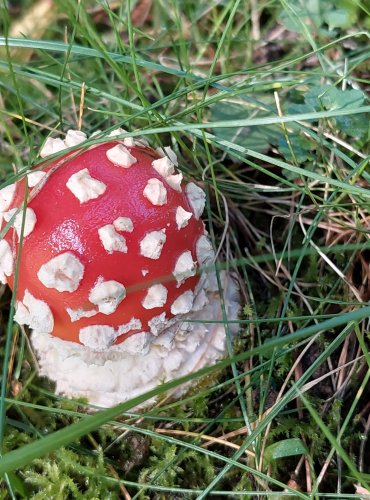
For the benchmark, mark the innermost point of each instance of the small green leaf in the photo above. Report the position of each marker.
(313, 98)
(331, 98)
(339, 18)
(256, 138)
(302, 149)
(285, 448)
(305, 14)
(300, 108)
(334, 98)
(354, 126)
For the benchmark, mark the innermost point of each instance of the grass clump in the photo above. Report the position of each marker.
(266, 104)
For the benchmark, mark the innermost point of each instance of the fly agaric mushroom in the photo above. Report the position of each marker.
(110, 271)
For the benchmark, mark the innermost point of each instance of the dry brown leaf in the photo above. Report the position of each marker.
(33, 23)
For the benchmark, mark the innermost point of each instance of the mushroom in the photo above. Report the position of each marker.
(115, 266)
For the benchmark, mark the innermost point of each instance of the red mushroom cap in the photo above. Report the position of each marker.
(109, 246)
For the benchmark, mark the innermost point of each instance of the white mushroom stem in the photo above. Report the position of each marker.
(109, 377)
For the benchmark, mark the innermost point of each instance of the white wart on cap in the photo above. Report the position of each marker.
(107, 295)
(152, 243)
(121, 156)
(63, 272)
(6, 261)
(29, 221)
(197, 198)
(156, 296)
(84, 186)
(155, 192)
(184, 267)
